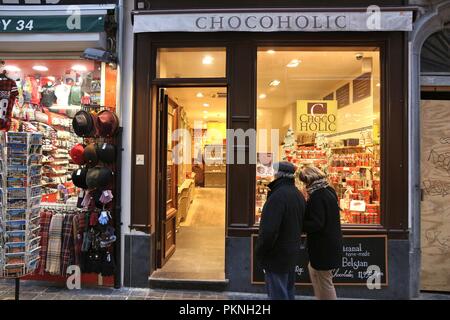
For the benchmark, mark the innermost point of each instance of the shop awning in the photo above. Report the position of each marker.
(275, 20)
(55, 28)
(45, 19)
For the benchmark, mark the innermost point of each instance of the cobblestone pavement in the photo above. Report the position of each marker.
(36, 290)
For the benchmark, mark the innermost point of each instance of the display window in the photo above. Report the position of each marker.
(321, 107)
(50, 93)
(191, 63)
(63, 182)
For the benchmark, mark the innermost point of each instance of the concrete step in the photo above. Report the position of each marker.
(188, 284)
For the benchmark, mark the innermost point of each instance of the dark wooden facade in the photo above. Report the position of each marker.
(241, 83)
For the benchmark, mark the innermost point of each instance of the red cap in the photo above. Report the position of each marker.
(76, 153)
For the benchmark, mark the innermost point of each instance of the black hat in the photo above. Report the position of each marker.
(105, 178)
(83, 124)
(90, 155)
(79, 178)
(99, 177)
(106, 152)
(92, 177)
(285, 167)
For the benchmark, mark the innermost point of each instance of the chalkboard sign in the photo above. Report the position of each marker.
(343, 96)
(359, 253)
(361, 87)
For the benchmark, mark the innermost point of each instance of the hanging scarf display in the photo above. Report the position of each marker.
(67, 248)
(45, 219)
(53, 263)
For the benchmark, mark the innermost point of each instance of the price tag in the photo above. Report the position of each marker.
(357, 205)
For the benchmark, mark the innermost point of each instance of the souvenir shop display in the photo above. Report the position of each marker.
(94, 180)
(21, 191)
(73, 236)
(352, 166)
(75, 223)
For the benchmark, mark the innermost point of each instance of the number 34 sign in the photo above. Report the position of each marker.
(62, 23)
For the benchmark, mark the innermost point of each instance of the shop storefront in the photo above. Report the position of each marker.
(430, 80)
(41, 52)
(332, 89)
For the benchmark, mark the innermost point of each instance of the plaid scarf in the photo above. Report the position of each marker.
(76, 225)
(67, 247)
(316, 185)
(44, 222)
(80, 225)
(53, 263)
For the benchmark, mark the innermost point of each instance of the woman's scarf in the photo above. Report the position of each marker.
(316, 185)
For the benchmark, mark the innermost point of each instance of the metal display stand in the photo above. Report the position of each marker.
(20, 184)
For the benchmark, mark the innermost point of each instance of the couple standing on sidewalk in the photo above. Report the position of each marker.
(285, 216)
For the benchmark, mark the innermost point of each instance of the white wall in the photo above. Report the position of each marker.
(126, 99)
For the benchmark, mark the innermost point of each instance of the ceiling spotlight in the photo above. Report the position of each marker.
(270, 51)
(262, 96)
(79, 67)
(208, 60)
(206, 104)
(12, 68)
(274, 83)
(378, 84)
(199, 95)
(40, 68)
(293, 63)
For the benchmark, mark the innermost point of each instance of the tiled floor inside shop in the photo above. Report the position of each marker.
(200, 240)
(36, 290)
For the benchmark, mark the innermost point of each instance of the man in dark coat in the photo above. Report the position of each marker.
(278, 245)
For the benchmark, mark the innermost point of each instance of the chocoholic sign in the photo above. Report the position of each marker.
(317, 116)
(373, 19)
(364, 259)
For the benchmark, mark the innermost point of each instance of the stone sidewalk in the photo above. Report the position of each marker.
(37, 290)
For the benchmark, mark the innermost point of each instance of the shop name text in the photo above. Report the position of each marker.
(285, 22)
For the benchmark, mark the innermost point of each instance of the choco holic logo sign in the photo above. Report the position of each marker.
(316, 116)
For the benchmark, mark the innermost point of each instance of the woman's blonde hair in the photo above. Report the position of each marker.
(310, 175)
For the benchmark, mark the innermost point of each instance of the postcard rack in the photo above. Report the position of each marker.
(20, 193)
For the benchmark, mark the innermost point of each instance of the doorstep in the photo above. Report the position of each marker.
(188, 284)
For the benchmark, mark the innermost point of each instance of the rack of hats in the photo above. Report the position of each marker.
(95, 182)
(20, 193)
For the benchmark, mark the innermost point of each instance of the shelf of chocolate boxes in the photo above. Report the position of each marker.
(299, 154)
(354, 171)
(20, 194)
(94, 176)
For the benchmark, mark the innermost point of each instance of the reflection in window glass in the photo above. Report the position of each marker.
(191, 63)
(325, 106)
